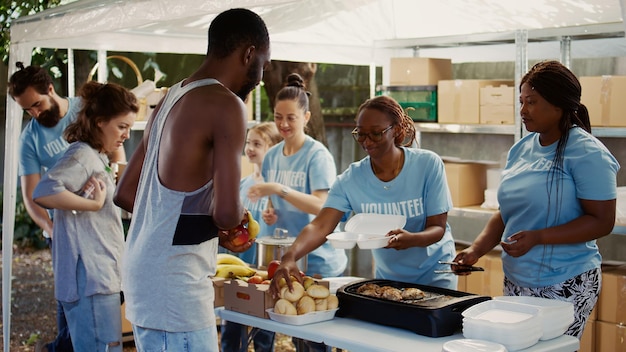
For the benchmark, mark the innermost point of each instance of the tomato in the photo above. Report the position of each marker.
(271, 268)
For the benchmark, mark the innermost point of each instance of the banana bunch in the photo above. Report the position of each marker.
(232, 267)
(225, 258)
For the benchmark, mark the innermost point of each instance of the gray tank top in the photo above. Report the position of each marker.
(171, 245)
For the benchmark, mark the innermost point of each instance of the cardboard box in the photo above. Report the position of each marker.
(458, 101)
(604, 98)
(489, 282)
(588, 340)
(497, 114)
(497, 105)
(252, 299)
(127, 327)
(612, 301)
(467, 181)
(419, 71)
(609, 336)
(218, 287)
(242, 297)
(504, 94)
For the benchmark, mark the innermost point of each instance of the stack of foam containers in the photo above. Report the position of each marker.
(491, 192)
(515, 326)
(620, 212)
(517, 322)
(557, 315)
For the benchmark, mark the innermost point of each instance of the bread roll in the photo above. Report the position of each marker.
(317, 291)
(321, 303)
(305, 305)
(333, 302)
(283, 306)
(295, 294)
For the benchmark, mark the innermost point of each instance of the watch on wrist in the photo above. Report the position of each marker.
(284, 191)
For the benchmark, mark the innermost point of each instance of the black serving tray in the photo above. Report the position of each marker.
(432, 316)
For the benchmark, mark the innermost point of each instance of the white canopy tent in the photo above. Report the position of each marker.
(359, 32)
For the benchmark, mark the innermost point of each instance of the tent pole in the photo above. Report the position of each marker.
(71, 74)
(12, 134)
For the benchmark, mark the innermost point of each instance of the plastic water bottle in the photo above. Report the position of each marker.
(85, 193)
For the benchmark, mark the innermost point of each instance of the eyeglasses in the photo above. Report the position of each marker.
(373, 136)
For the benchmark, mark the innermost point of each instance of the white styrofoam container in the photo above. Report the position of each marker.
(516, 326)
(556, 315)
(303, 319)
(620, 210)
(472, 345)
(342, 240)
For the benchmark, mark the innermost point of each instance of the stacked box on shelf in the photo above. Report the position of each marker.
(467, 181)
(610, 326)
(419, 102)
(603, 97)
(497, 105)
(417, 71)
(459, 100)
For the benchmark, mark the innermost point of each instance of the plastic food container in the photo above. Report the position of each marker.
(372, 241)
(374, 224)
(308, 318)
(472, 345)
(342, 240)
(556, 315)
(516, 326)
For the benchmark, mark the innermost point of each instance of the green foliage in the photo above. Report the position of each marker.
(26, 233)
(11, 10)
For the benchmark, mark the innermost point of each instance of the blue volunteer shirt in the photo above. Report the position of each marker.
(310, 169)
(420, 190)
(41, 147)
(528, 202)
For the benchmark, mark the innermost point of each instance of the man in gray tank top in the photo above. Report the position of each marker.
(182, 187)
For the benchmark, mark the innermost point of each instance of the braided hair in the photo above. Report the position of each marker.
(398, 116)
(559, 86)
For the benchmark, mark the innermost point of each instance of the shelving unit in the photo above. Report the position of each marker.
(521, 39)
(431, 127)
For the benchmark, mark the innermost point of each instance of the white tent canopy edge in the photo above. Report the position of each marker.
(334, 31)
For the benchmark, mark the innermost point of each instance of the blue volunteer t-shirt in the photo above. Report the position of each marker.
(256, 210)
(41, 147)
(310, 169)
(530, 200)
(420, 190)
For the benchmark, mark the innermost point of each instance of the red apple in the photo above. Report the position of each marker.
(255, 279)
(241, 235)
(271, 268)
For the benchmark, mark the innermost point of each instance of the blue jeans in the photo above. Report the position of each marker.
(149, 340)
(234, 337)
(95, 322)
(63, 341)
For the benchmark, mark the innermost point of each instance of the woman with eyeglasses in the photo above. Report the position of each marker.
(392, 179)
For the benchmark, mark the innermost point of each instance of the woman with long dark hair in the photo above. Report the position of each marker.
(557, 196)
